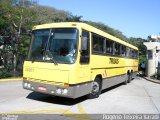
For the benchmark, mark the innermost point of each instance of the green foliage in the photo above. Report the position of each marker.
(108, 29)
(142, 49)
(48, 15)
(4, 73)
(13, 29)
(74, 18)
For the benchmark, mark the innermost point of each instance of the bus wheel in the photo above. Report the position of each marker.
(96, 88)
(129, 77)
(126, 80)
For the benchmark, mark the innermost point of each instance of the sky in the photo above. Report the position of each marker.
(134, 18)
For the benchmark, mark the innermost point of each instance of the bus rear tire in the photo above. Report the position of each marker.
(126, 80)
(129, 77)
(96, 88)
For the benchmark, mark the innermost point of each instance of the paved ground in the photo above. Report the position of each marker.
(138, 97)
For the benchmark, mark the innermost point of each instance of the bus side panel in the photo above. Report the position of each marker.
(109, 82)
(103, 65)
(112, 69)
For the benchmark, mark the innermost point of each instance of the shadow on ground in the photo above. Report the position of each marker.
(55, 99)
(61, 100)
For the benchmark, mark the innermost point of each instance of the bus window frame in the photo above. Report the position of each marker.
(103, 52)
(83, 57)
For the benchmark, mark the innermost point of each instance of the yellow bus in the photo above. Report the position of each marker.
(73, 59)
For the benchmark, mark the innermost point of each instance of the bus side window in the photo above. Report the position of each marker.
(98, 43)
(135, 54)
(117, 49)
(128, 52)
(95, 43)
(131, 53)
(109, 46)
(123, 51)
(85, 47)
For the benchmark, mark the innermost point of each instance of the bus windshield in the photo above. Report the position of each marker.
(57, 45)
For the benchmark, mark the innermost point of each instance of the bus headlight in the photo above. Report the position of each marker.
(64, 91)
(59, 91)
(29, 85)
(52, 91)
(25, 84)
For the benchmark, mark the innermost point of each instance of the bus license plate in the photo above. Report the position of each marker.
(42, 88)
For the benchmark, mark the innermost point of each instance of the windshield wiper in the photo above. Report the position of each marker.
(49, 56)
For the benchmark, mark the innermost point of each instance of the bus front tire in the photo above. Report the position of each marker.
(96, 89)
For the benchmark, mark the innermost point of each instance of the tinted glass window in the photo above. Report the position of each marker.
(128, 52)
(109, 46)
(58, 45)
(135, 54)
(124, 52)
(117, 49)
(131, 53)
(98, 43)
(39, 42)
(85, 48)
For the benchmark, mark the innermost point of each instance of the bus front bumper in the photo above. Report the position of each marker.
(73, 91)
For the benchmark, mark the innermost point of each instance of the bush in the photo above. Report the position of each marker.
(4, 73)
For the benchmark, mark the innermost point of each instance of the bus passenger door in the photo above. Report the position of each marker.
(84, 69)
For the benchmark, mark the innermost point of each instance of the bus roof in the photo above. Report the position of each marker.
(85, 27)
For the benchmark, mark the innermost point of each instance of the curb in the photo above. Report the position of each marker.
(149, 79)
(11, 79)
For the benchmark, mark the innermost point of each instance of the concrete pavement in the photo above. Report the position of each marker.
(138, 97)
(152, 80)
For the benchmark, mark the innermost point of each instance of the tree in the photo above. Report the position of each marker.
(73, 18)
(12, 30)
(108, 29)
(49, 15)
(142, 49)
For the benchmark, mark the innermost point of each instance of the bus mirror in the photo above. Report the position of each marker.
(84, 43)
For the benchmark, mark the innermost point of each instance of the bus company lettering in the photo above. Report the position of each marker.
(113, 61)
